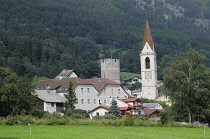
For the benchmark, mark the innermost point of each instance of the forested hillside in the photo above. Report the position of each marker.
(42, 37)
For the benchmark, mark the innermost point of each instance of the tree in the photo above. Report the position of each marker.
(16, 94)
(114, 109)
(71, 98)
(186, 82)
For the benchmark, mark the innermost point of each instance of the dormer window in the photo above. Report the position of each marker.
(147, 62)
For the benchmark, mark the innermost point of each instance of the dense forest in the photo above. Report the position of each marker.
(42, 37)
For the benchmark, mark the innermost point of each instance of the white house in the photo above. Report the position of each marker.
(137, 93)
(66, 74)
(107, 89)
(50, 101)
(132, 80)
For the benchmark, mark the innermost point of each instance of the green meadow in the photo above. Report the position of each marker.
(101, 131)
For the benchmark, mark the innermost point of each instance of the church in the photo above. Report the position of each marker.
(148, 66)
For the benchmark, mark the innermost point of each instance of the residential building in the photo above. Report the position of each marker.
(132, 80)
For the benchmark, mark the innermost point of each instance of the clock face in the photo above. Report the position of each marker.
(148, 75)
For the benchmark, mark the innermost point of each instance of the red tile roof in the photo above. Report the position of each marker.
(101, 106)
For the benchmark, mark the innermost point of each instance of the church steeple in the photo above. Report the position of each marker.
(147, 37)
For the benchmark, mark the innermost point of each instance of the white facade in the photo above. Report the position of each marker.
(50, 107)
(87, 97)
(98, 112)
(148, 67)
(111, 91)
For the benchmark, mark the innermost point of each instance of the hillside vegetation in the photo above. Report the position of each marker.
(40, 38)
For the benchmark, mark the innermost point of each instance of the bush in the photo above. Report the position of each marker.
(78, 114)
(128, 122)
(39, 113)
(16, 120)
(164, 119)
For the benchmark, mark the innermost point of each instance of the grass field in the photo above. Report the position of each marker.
(104, 132)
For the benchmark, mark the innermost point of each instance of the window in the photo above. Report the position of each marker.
(94, 101)
(52, 104)
(112, 91)
(147, 62)
(81, 90)
(82, 101)
(88, 101)
(104, 102)
(97, 114)
(88, 90)
(119, 91)
(104, 90)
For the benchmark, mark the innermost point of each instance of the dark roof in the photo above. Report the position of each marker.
(148, 112)
(50, 96)
(65, 73)
(150, 105)
(147, 37)
(60, 85)
(129, 78)
(100, 83)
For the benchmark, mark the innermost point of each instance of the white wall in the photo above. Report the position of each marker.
(48, 107)
(149, 85)
(101, 112)
(113, 91)
(88, 97)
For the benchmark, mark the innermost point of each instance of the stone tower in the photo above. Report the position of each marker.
(148, 66)
(110, 69)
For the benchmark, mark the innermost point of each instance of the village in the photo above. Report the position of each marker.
(96, 94)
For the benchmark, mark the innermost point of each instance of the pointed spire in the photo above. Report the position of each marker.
(147, 37)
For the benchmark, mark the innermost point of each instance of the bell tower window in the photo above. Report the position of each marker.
(147, 62)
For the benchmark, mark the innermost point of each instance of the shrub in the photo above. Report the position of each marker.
(128, 122)
(23, 120)
(77, 113)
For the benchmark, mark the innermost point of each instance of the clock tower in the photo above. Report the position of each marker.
(148, 66)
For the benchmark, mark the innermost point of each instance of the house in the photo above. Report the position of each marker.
(137, 93)
(66, 74)
(87, 95)
(99, 111)
(164, 99)
(107, 89)
(129, 107)
(132, 80)
(50, 101)
(153, 114)
(90, 93)
(153, 105)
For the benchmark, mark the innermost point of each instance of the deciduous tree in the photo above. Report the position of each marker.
(186, 82)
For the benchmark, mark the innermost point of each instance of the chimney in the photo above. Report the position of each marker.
(47, 89)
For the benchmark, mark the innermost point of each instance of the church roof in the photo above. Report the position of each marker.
(147, 37)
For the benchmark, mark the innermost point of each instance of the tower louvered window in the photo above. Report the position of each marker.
(147, 61)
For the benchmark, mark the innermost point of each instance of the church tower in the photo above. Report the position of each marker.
(148, 66)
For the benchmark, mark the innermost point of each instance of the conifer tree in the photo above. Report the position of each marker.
(114, 109)
(71, 98)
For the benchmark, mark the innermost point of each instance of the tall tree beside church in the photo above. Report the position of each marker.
(71, 98)
(186, 82)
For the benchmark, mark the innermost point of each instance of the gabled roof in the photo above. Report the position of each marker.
(100, 83)
(148, 112)
(129, 78)
(101, 106)
(65, 73)
(50, 96)
(60, 85)
(150, 105)
(147, 37)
